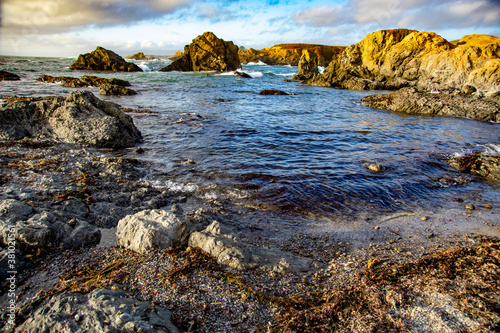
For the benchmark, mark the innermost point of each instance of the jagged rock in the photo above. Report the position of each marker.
(409, 100)
(308, 65)
(487, 166)
(221, 243)
(242, 74)
(207, 53)
(113, 89)
(102, 59)
(79, 118)
(273, 92)
(84, 81)
(176, 56)
(140, 56)
(393, 59)
(158, 229)
(101, 310)
(289, 54)
(7, 76)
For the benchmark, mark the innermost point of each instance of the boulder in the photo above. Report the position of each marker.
(289, 54)
(412, 101)
(487, 166)
(7, 76)
(393, 59)
(101, 310)
(84, 81)
(80, 118)
(158, 229)
(221, 243)
(308, 65)
(113, 89)
(102, 59)
(207, 52)
(273, 92)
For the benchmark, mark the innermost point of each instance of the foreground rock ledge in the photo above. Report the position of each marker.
(80, 118)
(412, 101)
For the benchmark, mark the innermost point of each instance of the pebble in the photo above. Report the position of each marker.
(376, 167)
(424, 218)
(487, 206)
(470, 206)
(376, 227)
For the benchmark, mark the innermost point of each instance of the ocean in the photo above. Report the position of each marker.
(297, 158)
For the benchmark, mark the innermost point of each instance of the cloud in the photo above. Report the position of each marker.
(53, 16)
(213, 13)
(324, 16)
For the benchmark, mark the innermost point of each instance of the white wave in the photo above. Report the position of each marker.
(491, 149)
(254, 74)
(175, 186)
(144, 66)
(227, 73)
(258, 63)
(321, 69)
(464, 152)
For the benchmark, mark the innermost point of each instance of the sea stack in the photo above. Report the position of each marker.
(207, 52)
(102, 59)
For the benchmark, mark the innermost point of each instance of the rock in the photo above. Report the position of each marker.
(140, 56)
(176, 56)
(84, 81)
(469, 206)
(487, 206)
(80, 118)
(308, 65)
(412, 101)
(7, 76)
(102, 59)
(289, 54)
(12, 260)
(242, 74)
(207, 53)
(273, 92)
(487, 166)
(393, 59)
(158, 229)
(12, 210)
(221, 243)
(112, 89)
(101, 310)
(375, 167)
(468, 90)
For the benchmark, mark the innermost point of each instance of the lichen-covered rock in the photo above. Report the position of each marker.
(308, 66)
(222, 243)
(7, 76)
(207, 52)
(101, 310)
(113, 89)
(290, 54)
(102, 59)
(393, 59)
(80, 118)
(412, 101)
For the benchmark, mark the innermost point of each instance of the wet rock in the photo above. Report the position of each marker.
(376, 167)
(113, 89)
(102, 59)
(12, 260)
(12, 210)
(308, 65)
(7, 76)
(242, 74)
(84, 81)
(222, 243)
(157, 229)
(207, 52)
(469, 206)
(273, 92)
(80, 118)
(412, 101)
(101, 310)
(487, 166)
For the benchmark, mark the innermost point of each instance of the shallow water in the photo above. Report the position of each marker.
(299, 156)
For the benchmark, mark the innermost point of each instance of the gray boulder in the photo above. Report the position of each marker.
(99, 311)
(222, 243)
(80, 118)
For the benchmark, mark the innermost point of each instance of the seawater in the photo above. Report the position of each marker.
(301, 156)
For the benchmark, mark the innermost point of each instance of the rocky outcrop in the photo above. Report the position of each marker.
(140, 56)
(158, 229)
(393, 59)
(222, 243)
(101, 310)
(84, 81)
(102, 59)
(80, 118)
(273, 92)
(412, 101)
(487, 166)
(45, 230)
(308, 66)
(207, 53)
(289, 54)
(7, 76)
(113, 89)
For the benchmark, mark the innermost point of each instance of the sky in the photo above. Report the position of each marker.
(66, 28)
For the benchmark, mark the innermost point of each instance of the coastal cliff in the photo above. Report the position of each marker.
(289, 54)
(393, 59)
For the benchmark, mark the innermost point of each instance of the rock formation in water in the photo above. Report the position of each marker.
(487, 166)
(308, 65)
(102, 59)
(7, 76)
(207, 52)
(392, 59)
(140, 56)
(289, 54)
(410, 100)
(80, 118)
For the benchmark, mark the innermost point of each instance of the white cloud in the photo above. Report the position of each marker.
(324, 16)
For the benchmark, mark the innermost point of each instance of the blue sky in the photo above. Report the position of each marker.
(69, 27)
